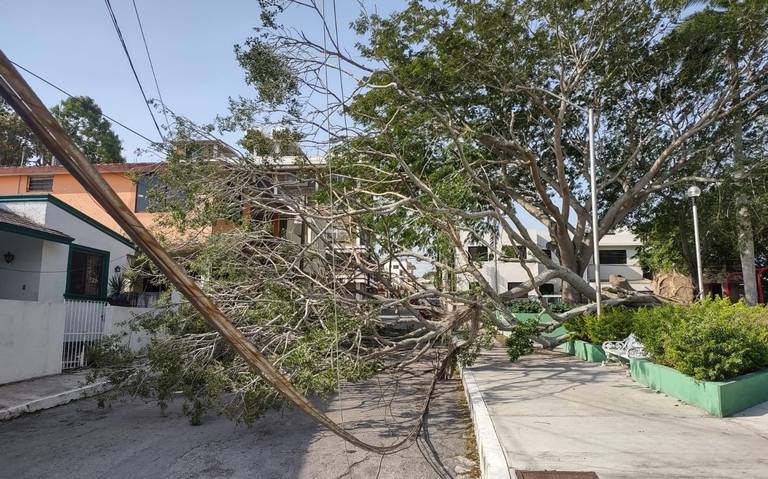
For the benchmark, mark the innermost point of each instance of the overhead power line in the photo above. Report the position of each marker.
(133, 68)
(153, 142)
(151, 64)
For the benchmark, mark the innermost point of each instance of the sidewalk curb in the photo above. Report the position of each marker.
(493, 462)
(53, 400)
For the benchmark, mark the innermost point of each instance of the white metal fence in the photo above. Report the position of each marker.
(85, 324)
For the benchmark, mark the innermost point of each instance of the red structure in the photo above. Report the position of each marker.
(733, 277)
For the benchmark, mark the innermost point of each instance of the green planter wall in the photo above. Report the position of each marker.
(719, 398)
(585, 351)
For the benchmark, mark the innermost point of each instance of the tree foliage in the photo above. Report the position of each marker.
(18, 145)
(82, 118)
(456, 117)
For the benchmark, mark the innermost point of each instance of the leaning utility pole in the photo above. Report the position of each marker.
(23, 99)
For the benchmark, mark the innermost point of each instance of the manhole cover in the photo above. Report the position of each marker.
(555, 475)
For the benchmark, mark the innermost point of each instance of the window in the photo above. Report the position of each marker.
(547, 288)
(147, 187)
(144, 185)
(479, 253)
(282, 228)
(511, 286)
(514, 252)
(613, 256)
(87, 272)
(40, 183)
(547, 252)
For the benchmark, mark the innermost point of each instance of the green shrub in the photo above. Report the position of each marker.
(577, 327)
(533, 306)
(713, 340)
(613, 325)
(519, 342)
(524, 306)
(653, 324)
(562, 307)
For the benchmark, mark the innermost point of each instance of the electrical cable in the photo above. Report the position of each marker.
(133, 68)
(151, 64)
(69, 95)
(331, 193)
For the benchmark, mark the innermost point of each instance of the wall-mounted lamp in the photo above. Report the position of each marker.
(9, 257)
(117, 269)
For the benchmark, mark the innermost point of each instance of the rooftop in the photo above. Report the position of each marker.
(60, 170)
(13, 223)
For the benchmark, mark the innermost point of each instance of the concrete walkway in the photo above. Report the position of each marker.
(555, 412)
(43, 393)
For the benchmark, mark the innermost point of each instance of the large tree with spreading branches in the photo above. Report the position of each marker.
(452, 121)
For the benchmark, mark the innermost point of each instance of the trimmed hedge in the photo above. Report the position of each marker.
(613, 325)
(713, 340)
(533, 306)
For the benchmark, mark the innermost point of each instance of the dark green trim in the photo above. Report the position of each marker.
(105, 270)
(71, 210)
(33, 233)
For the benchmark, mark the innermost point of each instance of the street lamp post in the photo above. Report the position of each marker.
(595, 234)
(693, 193)
(593, 189)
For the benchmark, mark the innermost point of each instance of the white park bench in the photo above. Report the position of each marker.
(626, 349)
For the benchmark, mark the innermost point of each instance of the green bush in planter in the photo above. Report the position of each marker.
(577, 327)
(524, 306)
(533, 306)
(713, 340)
(614, 324)
(561, 307)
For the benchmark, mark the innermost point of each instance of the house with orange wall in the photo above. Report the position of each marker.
(125, 178)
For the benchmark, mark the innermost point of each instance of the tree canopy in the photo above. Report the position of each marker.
(18, 145)
(454, 119)
(477, 110)
(82, 118)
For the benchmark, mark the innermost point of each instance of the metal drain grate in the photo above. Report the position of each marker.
(555, 475)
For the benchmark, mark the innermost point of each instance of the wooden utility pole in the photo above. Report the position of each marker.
(23, 99)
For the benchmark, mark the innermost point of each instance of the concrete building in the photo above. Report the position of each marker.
(129, 180)
(618, 255)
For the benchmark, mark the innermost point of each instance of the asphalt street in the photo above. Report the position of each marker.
(132, 439)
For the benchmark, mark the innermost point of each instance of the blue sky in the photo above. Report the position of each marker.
(73, 44)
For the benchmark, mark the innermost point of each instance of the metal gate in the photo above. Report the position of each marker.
(85, 324)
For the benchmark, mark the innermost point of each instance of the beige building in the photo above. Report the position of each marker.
(618, 256)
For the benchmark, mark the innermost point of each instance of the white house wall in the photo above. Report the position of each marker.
(20, 280)
(48, 259)
(31, 339)
(87, 235)
(632, 271)
(53, 277)
(499, 273)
